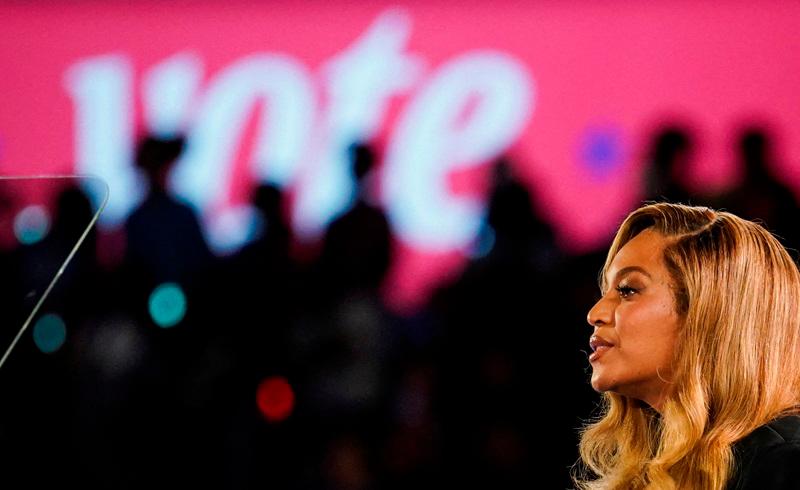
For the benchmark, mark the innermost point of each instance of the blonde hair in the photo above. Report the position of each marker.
(736, 363)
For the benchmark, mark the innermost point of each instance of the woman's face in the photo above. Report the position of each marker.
(637, 317)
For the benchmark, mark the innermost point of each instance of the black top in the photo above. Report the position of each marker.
(769, 457)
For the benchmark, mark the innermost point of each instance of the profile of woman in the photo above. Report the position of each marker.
(696, 351)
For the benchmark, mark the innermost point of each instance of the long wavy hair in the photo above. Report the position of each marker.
(737, 357)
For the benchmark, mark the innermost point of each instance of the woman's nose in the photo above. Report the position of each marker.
(600, 314)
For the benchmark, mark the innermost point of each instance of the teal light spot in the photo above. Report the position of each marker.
(49, 333)
(31, 224)
(167, 305)
(484, 242)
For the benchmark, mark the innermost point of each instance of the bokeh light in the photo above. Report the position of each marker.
(601, 149)
(49, 333)
(31, 224)
(484, 243)
(275, 398)
(167, 305)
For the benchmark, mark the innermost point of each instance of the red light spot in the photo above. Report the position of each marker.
(275, 398)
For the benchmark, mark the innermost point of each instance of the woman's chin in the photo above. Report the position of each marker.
(600, 383)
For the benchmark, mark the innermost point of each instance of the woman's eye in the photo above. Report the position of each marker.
(625, 291)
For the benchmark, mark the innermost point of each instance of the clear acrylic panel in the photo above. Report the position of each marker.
(43, 222)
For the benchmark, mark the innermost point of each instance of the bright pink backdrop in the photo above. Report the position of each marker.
(619, 66)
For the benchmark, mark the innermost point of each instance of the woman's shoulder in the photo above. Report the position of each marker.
(769, 457)
(783, 430)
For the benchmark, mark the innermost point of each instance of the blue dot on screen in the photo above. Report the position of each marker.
(167, 305)
(31, 224)
(601, 149)
(49, 333)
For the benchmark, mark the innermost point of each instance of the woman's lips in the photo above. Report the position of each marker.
(599, 345)
(599, 352)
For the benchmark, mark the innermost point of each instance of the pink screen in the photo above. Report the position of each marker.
(274, 91)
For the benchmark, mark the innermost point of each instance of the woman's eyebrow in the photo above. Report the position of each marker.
(624, 272)
(631, 268)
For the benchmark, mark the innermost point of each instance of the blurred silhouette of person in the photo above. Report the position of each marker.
(344, 329)
(504, 305)
(761, 195)
(164, 239)
(260, 292)
(357, 247)
(77, 289)
(273, 244)
(42, 259)
(669, 156)
(37, 263)
(518, 234)
(164, 243)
